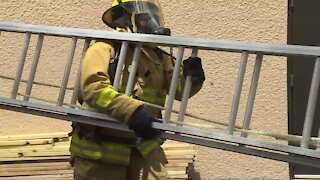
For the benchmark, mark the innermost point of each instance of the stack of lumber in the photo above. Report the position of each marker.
(46, 156)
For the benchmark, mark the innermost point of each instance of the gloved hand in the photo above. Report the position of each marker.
(141, 124)
(193, 67)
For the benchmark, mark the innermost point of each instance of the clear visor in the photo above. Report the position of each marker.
(146, 15)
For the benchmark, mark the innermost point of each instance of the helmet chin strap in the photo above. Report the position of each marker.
(133, 22)
(127, 29)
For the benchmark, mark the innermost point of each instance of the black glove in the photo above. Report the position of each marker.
(193, 67)
(141, 124)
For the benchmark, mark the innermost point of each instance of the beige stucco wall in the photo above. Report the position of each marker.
(247, 20)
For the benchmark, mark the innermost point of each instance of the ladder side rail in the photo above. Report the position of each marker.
(252, 93)
(202, 44)
(23, 56)
(60, 113)
(311, 107)
(133, 69)
(173, 85)
(186, 93)
(245, 150)
(34, 66)
(45, 108)
(76, 88)
(67, 71)
(318, 148)
(237, 92)
(104, 121)
(237, 139)
(122, 59)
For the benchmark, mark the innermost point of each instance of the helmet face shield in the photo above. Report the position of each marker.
(146, 23)
(146, 15)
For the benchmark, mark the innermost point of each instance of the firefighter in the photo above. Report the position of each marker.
(106, 153)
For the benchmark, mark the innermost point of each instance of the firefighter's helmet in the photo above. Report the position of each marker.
(143, 16)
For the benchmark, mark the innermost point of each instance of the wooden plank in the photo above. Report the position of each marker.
(184, 176)
(178, 157)
(65, 144)
(181, 161)
(35, 150)
(177, 148)
(39, 148)
(173, 168)
(176, 145)
(55, 155)
(179, 152)
(42, 153)
(176, 173)
(177, 165)
(34, 154)
(55, 172)
(28, 173)
(42, 177)
(34, 136)
(22, 169)
(61, 150)
(4, 144)
(168, 145)
(37, 164)
(34, 158)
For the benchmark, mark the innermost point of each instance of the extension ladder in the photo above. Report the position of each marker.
(306, 150)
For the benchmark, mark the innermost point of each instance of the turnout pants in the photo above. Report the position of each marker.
(139, 168)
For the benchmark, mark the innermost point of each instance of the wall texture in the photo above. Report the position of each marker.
(245, 20)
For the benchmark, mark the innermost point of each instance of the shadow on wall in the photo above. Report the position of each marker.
(192, 173)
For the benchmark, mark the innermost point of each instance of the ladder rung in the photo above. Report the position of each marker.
(23, 56)
(311, 107)
(122, 59)
(252, 93)
(173, 85)
(133, 69)
(67, 70)
(34, 66)
(77, 82)
(237, 92)
(186, 92)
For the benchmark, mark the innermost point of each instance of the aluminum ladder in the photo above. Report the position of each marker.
(303, 153)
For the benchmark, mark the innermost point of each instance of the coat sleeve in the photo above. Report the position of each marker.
(168, 68)
(96, 86)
